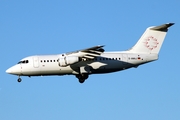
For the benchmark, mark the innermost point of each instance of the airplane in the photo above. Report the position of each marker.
(94, 60)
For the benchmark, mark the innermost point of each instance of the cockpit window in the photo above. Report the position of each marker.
(23, 62)
(19, 62)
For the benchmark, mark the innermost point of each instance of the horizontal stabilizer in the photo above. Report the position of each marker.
(163, 27)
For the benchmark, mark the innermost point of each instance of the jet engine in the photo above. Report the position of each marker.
(68, 60)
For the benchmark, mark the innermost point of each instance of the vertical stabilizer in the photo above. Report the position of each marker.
(152, 39)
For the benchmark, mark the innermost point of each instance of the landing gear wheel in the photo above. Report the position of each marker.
(81, 80)
(82, 77)
(19, 80)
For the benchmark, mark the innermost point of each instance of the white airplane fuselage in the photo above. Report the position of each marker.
(41, 65)
(94, 60)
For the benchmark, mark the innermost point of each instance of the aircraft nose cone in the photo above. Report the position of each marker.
(16, 70)
(8, 71)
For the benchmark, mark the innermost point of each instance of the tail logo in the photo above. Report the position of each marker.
(151, 42)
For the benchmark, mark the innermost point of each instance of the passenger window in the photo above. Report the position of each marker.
(44, 60)
(47, 60)
(54, 61)
(51, 60)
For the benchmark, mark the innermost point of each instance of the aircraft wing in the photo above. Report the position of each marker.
(89, 53)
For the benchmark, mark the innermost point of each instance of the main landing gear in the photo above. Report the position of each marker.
(19, 79)
(82, 77)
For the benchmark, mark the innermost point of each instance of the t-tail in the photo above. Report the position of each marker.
(152, 40)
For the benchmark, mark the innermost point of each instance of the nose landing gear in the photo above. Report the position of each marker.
(19, 79)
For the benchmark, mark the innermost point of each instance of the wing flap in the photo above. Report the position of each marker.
(89, 57)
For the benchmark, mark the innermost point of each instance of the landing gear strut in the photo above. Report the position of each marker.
(82, 77)
(19, 79)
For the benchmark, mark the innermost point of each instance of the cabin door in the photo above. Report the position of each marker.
(124, 58)
(36, 62)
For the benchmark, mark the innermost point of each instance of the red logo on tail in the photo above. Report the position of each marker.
(151, 42)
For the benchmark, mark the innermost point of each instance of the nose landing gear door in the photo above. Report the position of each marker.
(35, 62)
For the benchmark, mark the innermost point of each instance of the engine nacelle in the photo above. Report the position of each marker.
(68, 60)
